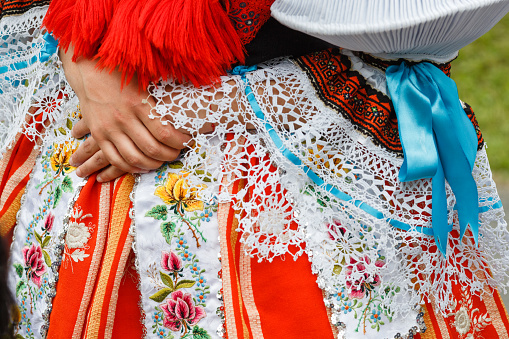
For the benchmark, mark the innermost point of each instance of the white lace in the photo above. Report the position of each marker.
(337, 234)
(29, 91)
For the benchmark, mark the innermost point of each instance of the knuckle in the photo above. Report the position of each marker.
(100, 160)
(152, 150)
(87, 146)
(163, 134)
(133, 160)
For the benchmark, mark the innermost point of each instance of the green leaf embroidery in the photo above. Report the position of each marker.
(67, 184)
(206, 178)
(185, 284)
(159, 212)
(62, 130)
(160, 295)
(19, 336)
(47, 259)
(167, 229)
(19, 287)
(46, 241)
(38, 237)
(68, 124)
(19, 269)
(176, 165)
(58, 196)
(200, 333)
(167, 280)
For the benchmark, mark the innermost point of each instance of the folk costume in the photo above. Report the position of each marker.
(361, 205)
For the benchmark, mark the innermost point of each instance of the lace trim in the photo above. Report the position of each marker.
(38, 88)
(344, 242)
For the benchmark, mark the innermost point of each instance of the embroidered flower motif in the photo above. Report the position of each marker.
(77, 235)
(347, 307)
(176, 190)
(180, 310)
(201, 281)
(35, 263)
(462, 321)
(206, 215)
(48, 222)
(376, 316)
(60, 158)
(360, 286)
(171, 262)
(185, 255)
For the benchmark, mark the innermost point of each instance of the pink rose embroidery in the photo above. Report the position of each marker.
(35, 263)
(171, 262)
(179, 310)
(48, 222)
(361, 286)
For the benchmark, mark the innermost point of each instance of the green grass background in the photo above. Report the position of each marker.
(482, 74)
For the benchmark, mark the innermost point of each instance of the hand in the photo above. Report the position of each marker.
(122, 134)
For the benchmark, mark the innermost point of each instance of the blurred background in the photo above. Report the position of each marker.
(482, 74)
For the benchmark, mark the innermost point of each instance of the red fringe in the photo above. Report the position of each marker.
(189, 40)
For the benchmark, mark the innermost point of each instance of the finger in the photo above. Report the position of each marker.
(149, 145)
(165, 134)
(109, 174)
(80, 129)
(124, 154)
(96, 162)
(84, 152)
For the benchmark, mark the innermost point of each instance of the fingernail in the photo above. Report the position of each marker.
(99, 178)
(78, 172)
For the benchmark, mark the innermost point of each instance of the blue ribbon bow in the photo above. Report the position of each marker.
(438, 141)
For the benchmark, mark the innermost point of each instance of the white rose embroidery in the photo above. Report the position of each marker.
(77, 235)
(462, 321)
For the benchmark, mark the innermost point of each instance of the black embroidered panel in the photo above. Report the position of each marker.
(347, 92)
(17, 7)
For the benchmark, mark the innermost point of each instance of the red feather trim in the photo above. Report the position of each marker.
(190, 40)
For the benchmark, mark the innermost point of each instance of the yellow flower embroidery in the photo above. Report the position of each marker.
(176, 190)
(60, 157)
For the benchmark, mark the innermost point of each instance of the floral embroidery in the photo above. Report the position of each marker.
(77, 236)
(33, 273)
(176, 193)
(56, 167)
(360, 297)
(34, 263)
(181, 287)
(466, 319)
(180, 312)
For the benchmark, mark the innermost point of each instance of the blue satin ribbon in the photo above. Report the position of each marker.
(407, 172)
(439, 142)
(48, 50)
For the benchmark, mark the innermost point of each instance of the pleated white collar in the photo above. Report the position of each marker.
(416, 29)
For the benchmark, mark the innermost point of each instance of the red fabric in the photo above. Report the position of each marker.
(72, 282)
(248, 17)
(190, 40)
(286, 293)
